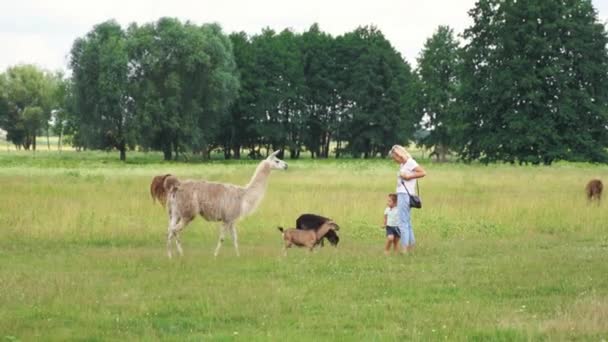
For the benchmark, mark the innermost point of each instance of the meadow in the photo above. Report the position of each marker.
(504, 253)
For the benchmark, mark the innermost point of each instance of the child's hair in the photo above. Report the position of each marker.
(393, 197)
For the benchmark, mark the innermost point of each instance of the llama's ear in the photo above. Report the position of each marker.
(274, 154)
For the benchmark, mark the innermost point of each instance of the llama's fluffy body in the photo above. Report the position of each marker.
(213, 201)
(594, 190)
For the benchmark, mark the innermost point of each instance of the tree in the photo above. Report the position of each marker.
(26, 94)
(63, 112)
(239, 127)
(100, 66)
(4, 106)
(322, 100)
(378, 90)
(183, 80)
(278, 94)
(220, 83)
(535, 82)
(438, 68)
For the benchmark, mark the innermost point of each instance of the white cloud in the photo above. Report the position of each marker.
(42, 32)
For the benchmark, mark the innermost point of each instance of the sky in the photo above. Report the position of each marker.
(42, 32)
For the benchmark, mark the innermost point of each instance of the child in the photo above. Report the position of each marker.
(391, 223)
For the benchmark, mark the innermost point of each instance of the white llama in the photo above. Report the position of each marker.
(213, 201)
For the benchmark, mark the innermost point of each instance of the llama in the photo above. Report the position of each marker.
(213, 201)
(305, 238)
(313, 221)
(594, 190)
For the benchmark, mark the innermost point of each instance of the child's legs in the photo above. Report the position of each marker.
(390, 239)
(396, 244)
(405, 225)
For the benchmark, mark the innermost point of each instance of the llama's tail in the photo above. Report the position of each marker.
(594, 187)
(161, 186)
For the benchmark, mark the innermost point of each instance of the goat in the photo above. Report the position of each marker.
(313, 222)
(305, 238)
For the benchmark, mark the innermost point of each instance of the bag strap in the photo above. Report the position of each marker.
(408, 192)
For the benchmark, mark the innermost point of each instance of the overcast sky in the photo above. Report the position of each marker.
(42, 31)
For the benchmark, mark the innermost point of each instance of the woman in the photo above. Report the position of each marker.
(409, 171)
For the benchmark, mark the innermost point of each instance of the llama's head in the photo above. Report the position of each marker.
(276, 163)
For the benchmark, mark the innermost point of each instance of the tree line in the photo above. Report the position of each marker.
(528, 84)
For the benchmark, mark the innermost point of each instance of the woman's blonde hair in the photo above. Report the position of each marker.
(398, 150)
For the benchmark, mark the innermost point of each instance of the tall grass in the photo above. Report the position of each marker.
(504, 253)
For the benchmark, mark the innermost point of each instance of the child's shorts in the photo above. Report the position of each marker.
(390, 230)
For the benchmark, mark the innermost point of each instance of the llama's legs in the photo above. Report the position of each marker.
(176, 231)
(169, 237)
(234, 238)
(170, 233)
(175, 227)
(222, 230)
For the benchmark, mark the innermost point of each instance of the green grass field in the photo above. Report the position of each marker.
(504, 253)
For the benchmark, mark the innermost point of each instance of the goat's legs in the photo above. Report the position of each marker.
(285, 246)
(234, 237)
(222, 230)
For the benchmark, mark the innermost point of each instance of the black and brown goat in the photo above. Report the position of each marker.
(312, 222)
(305, 238)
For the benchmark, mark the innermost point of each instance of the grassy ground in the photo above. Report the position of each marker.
(504, 253)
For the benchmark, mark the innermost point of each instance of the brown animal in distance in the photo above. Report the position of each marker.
(594, 190)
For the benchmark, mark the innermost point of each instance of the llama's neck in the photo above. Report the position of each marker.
(254, 191)
(260, 177)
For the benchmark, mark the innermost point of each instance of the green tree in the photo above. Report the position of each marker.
(183, 80)
(4, 107)
(379, 88)
(322, 99)
(439, 66)
(535, 82)
(280, 80)
(239, 128)
(27, 97)
(63, 112)
(220, 83)
(100, 67)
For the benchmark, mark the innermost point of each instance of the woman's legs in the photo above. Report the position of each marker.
(405, 223)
